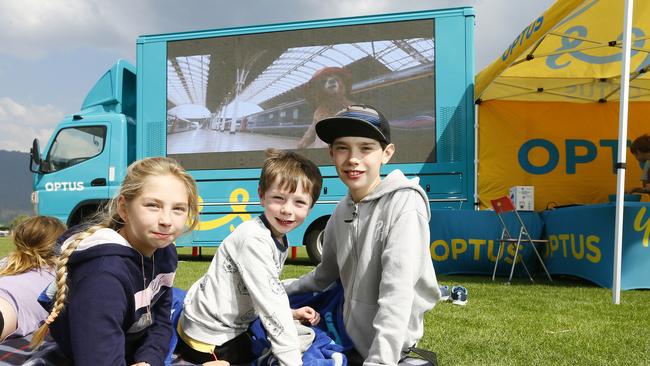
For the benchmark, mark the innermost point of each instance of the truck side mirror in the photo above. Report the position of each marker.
(34, 156)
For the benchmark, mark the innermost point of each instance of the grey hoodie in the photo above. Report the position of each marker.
(379, 248)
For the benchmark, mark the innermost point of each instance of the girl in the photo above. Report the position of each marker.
(25, 273)
(113, 280)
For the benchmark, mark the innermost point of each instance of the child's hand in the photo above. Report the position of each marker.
(217, 363)
(141, 364)
(306, 315)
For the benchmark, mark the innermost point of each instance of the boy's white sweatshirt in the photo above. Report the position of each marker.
(379, 248)
(241, 284)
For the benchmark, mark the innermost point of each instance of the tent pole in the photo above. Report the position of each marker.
(477, 203)
(622, 149)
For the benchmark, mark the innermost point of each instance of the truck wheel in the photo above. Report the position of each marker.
(314, 241)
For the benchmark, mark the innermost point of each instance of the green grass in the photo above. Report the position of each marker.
(565, 323)
(6, 246)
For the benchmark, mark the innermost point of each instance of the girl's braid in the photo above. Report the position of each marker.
(61, 285)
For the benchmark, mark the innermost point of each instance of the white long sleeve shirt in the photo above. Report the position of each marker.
(241, 284)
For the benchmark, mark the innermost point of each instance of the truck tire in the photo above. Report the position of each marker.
(314, 241)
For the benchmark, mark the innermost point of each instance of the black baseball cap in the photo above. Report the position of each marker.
(354, 120)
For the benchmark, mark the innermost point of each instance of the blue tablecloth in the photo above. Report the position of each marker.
(465, 241)
(582, 243)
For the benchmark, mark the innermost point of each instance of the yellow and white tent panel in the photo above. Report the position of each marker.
(548, 107)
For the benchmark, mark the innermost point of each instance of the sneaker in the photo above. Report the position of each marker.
(444, 293)
(459, 295)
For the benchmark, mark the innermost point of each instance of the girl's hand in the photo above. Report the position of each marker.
(306, 315)
(217, 363)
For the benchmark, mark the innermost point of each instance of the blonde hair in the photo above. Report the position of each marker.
(291, 169)
(34, 239)
(131, 187)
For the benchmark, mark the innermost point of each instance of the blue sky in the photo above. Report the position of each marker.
(53, 51)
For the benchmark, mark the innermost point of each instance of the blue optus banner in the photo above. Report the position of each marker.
(582, 243)
(466, 242)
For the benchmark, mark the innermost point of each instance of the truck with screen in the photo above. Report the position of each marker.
(215, 100)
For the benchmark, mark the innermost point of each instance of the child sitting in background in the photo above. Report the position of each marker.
(640, 148)
(25, 273)
(243, 282)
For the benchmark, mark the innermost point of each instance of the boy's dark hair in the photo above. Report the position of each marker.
(641, 144)
(291, 169)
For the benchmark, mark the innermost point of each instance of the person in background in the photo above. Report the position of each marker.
(25, 272)
(243, 280)
(376, 241)
(111, 301)
(640, 148)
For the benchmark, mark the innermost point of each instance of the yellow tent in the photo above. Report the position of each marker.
(548, 107)
(548, 114)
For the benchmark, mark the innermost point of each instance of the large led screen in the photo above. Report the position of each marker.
(229, 98)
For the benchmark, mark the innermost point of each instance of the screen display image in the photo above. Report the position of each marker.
(230, 98)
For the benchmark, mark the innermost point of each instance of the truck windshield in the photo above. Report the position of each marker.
(75, 145)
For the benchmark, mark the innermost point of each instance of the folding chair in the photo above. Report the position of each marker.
(501, 206)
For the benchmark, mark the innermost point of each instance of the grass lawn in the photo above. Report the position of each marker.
(565, 323)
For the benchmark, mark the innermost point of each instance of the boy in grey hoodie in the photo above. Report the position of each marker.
(376, 241)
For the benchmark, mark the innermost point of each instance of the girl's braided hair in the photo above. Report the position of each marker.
(131, 188)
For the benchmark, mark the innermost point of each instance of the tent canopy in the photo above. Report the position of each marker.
(572, 53)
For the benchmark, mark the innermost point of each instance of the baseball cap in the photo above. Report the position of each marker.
(354, 120)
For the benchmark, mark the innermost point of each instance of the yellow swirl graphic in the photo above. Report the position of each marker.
(639, 225)
(238, 198)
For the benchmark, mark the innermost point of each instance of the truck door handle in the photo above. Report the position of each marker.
(98, 182)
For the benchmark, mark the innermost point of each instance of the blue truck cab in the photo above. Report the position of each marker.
(86, 158)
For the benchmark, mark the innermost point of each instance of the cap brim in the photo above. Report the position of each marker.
(329, 129)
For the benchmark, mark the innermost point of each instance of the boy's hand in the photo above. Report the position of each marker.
(306, 315)
(217, 363)
(141, 364)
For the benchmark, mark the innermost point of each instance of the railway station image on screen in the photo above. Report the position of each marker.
(229, 98)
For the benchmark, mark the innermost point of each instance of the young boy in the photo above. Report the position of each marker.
(242, 281)
(377, 242)
(640, 148)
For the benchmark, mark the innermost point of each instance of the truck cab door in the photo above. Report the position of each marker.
(74, 171)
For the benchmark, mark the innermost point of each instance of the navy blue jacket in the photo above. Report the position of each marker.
(105, 321)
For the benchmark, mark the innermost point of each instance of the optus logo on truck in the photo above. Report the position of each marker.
(64, 186)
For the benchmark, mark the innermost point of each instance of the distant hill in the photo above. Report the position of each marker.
(15, 185)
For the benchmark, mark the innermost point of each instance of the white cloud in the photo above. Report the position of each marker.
(35, 28)
(22, 123)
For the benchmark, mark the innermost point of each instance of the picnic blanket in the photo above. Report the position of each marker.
(15, 351)
(326, 350)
